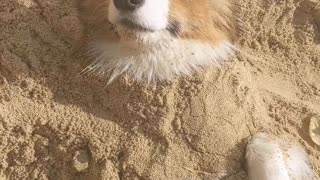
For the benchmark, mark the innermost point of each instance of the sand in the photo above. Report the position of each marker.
(58, 124)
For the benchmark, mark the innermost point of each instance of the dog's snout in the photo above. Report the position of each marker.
(128, 5)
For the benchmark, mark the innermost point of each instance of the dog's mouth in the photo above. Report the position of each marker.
(131, 25)
(174, 28)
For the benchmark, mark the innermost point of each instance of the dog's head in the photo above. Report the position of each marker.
(157, 27)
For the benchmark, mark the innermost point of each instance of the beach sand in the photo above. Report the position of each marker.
(58, 124)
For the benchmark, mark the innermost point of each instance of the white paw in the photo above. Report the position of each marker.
(268, 158)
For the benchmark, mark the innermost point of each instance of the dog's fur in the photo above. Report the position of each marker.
(169, 37)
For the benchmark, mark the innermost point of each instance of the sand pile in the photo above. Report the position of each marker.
(57, 124)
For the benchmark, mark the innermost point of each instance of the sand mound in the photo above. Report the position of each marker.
(56, 124)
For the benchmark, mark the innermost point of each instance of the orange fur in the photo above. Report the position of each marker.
(198, 19)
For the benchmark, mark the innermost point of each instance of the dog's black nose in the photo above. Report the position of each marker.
(128, 5)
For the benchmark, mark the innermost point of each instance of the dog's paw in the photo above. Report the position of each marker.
(268, 158)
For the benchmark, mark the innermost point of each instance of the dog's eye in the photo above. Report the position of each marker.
(174, 28)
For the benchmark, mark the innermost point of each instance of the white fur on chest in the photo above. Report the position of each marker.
(157, 57)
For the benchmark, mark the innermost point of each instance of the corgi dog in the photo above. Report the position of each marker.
(268, 158)
(156, 40)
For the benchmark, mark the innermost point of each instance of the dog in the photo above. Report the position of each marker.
(159, 40)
